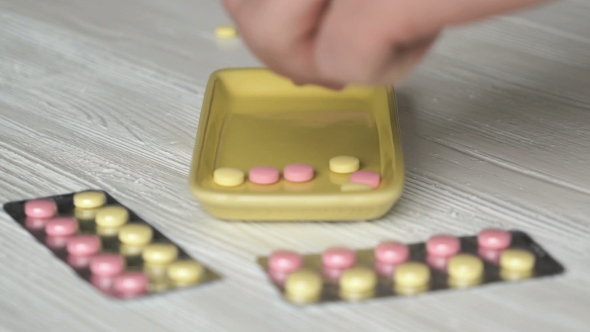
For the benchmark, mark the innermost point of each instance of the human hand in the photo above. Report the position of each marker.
(338, 42)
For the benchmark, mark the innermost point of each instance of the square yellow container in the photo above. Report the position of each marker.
(253, 117)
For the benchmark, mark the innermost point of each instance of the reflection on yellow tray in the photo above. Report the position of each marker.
(252, 117)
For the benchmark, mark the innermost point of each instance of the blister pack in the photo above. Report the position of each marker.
(109, 245)
(394, 269)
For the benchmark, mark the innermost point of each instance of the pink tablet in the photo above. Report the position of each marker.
(338, 258)
(298, 173)
(61, 226)
(392, 253)
(131, 284)
(264, 175)
(366, 177)
(494, 239)
(40, 208)
(285, 261)
(84, 245)
(107, 265)
(443, 245)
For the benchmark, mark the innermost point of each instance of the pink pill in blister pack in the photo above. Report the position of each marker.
(131, 284)
(332, 274)
(104, 284)
(385, 270)
(338, 258)
(84, 245)
(494, 239)
(278, 277)
(35, 224)
(56, 242)
(392, 253)
(107, 265)
(61, 226)
(492, 256)
(79, 262)
(40, 208)
(443, 246)
(285, 261)
(437, 262)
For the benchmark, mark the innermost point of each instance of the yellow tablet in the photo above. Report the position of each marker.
(269, 150)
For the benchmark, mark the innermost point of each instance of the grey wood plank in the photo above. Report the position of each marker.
(107, 94)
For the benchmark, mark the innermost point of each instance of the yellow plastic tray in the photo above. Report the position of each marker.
(252, 117)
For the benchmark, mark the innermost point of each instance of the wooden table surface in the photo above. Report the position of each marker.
(106, 94)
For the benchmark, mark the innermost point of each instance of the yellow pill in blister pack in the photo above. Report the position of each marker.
(159, 253)
(228, 177)
(107, 231)
(89, 199)
(185, 272)
(516, 264)
(136, 234)
(465, 270)
(85, 214)
(156, 273)
(303, 286)
(411, 277)
(358, 283)
(344, 164)
(130, 250)
(112, 216)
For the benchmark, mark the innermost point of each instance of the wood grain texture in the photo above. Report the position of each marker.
(496, 130)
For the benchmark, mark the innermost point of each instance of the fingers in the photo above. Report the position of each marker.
(338, 42)
(231, 6)
(370, 44)
(380, 41)
(281, 34)
(454, 12)
(396, 66)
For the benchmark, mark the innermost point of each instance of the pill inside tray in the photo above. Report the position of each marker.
(111, 257)
(278, 139)
(255, 124)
